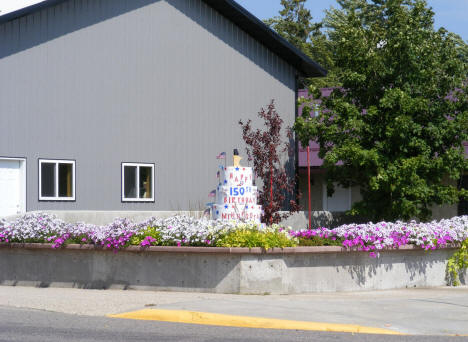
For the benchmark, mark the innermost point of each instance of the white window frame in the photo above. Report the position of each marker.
(325, 197)
(138, 165)
(56, 197)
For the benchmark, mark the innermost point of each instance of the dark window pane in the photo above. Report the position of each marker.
(48, 179)
(130, 181)
(146, 182)
(65, 180)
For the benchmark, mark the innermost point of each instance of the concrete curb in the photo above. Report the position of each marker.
(205, 318)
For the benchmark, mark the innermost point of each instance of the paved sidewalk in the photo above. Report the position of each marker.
(439, 311)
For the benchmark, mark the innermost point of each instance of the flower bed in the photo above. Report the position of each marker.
(188, 231)
(26, 259)
(179, 230)
(372, 237)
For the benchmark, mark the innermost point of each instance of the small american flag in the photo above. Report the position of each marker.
(222, 155)
(212, 193)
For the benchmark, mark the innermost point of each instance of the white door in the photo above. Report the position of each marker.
(11, 187)
(340, 201)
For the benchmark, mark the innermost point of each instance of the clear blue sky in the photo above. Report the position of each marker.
(451, 14)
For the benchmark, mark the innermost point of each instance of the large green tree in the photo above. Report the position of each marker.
(396, 125)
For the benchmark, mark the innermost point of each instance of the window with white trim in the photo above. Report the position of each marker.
(137, 182)
(56, 180)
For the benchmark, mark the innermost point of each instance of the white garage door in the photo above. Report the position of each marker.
(11, 187)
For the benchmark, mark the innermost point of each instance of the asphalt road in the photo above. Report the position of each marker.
(438, 311)
(24, 325)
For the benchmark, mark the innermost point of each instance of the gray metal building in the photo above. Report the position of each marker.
(89, 85)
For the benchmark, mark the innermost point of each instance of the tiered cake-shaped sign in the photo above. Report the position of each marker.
(236, 197)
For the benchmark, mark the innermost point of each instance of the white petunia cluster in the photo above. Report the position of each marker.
(176, 230)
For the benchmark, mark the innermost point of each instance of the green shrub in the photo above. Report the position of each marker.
(457, 263)
(318, 241)
(251, 236)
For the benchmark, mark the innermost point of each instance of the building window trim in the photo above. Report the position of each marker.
(58, 198)
(137, 190)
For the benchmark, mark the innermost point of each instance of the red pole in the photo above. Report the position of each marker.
(308, 183)
(271, 193)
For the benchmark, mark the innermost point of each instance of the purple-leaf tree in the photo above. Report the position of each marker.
(264, 149)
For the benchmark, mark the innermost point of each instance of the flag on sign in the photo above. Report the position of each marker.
(222, 155)
(212, 193)
(210, 204)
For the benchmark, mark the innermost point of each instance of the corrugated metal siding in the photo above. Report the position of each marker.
(110, 81)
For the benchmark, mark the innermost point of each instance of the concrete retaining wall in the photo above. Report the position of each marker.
(222, 270)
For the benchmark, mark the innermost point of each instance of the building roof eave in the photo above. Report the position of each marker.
(261, 32)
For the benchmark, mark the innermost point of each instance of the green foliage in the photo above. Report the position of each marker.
(396, 126)
(150, 231)
(318, 241)
(255, 237)
(457, 263)
(295, 25)
(462, 48)
(78, 239)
